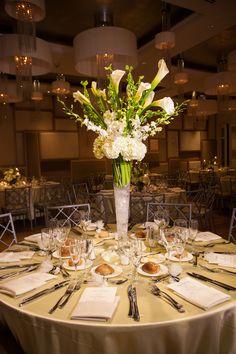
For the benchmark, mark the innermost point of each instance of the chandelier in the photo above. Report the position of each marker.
(60, 86)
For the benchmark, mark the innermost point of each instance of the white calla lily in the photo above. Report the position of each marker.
(142, 87)
(149, 99)
(165, 103)
(116, 76)
(162, 72)
(82, 99)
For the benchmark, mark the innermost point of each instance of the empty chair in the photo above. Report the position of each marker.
(95, 201)
(232, 227)
(18, 202)
(138, 205)
(50, 195)
(73, 213)
(7, 230)
(78, 188)
(175, 211)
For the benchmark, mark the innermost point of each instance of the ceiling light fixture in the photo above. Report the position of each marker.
(60, 86)
(165, 40)
(103, 45)
(181, 77)
(36, 94)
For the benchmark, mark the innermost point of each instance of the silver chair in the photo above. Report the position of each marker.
(73, 213)
(78, 188)
(232, 227)
(175, 211)
(7, 230)
(18, 203)
(138, 205)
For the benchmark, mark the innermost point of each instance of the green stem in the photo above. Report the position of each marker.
(121, 171)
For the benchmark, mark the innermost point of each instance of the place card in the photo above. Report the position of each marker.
(96, 303)
(207, 236)
(197, 293)
(226, 260)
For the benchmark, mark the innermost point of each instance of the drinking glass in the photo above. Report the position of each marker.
(168, 240)
(180, 241)
(193, 230)
(75, 254)
(47, 241)
(162, 218)
(152, 234)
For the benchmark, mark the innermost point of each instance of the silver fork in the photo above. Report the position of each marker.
(162, 294)
(69, 289)
(69, 294)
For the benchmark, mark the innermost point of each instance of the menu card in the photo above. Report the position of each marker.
(198, 294)
(16, 287)
(226, 260)
(207, 236)
(96, 303)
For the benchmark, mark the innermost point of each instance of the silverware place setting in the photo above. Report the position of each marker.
(165, 296)
(133, 303)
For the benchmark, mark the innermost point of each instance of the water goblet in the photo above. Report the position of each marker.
(152, 234)
(168, 240)
(75, 255)
(46, 241)
(162, 218)
(193, 230)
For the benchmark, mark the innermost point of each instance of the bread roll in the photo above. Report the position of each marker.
(65, 249)
(103, 234)
(140, 234)
(183, 255)
(151, 267)
(71, 264)
(104, 269)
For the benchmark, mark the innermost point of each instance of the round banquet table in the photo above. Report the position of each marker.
(161, 329)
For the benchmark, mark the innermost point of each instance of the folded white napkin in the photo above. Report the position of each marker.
(15, 256)
(197, 293)
(207, 236)
(227, 260)
(16, 287)
(33, 238)
(96, 303)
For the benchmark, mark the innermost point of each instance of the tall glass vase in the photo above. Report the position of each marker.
(121, 182)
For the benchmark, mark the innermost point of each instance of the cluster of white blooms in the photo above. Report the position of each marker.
(129, 148)
(11, 174)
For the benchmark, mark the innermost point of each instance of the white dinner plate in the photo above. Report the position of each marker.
(172, 257)
(117, 271)
(56, 254)
(157, 258)
(79, 267)
(163, 270)
(111, 235)
(110, 256)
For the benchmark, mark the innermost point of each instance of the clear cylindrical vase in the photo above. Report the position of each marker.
(122, 196)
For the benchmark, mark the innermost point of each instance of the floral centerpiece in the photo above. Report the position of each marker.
(12, 175)
(123, 121)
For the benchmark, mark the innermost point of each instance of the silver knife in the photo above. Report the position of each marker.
(18, 266)
(43, 292)
(19, 272)
(212, 281)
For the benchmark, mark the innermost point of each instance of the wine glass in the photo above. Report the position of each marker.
(86, 249)
(162, 218)
(46, 241)
(193, 230)
(168, 240)
(136, 255)
(75, 255)
(180, 241)
(152, 234)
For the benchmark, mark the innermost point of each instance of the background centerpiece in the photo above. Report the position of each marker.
(123, 121)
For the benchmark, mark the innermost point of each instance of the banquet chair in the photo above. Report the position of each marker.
(109, 208)
(7, 230)
(73, 213)
(175, 211)
(18, 203)
(138, 205)
(232, 227)
(50, 195)
(95, 201)
(78, 188)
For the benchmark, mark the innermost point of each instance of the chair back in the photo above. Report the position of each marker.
(73, 213)
(19, 203)
(232, 227)
(7, 230)
(175, 211)
(138, 205)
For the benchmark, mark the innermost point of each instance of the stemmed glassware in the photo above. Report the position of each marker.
(162, 218)
(168, 240)
(181, 231)
(193, 230)
(75, 254)
(86, 248)
(47, 242)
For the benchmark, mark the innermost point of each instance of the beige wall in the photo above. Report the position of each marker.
(60, 139)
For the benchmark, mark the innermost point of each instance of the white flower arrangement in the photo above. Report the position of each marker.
(12, 175)
(124, 122)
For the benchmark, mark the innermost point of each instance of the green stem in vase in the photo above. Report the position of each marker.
(121, 171)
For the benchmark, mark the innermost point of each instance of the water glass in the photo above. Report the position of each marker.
(152, 237)
(193, 230)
